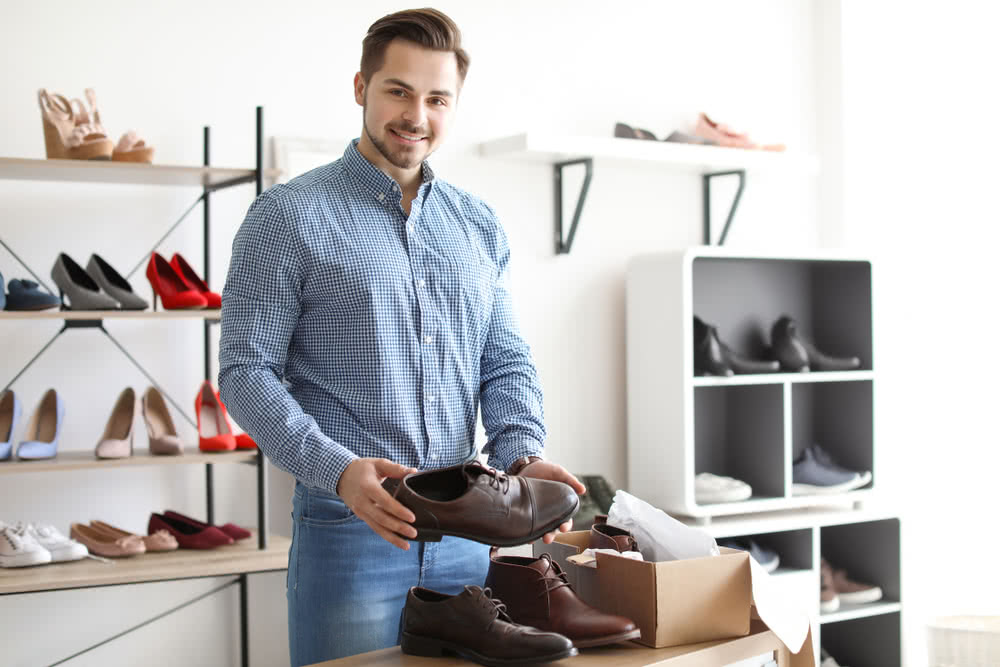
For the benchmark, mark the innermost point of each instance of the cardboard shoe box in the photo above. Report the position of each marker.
(682, 602)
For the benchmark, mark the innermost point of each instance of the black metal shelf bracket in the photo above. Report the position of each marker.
(563, 246)
(706, 190)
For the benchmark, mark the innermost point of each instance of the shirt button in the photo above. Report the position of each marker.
(409, 227)
(431, 399)
(428, 340)
(381, 196)
(434, 457)
(421, 283)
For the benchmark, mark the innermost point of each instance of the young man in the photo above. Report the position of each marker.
(365, 319)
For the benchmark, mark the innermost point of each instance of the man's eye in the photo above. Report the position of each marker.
(438, 101)
(397, 92)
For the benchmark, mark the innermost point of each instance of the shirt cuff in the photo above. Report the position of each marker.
(503, 455)
(327, 474)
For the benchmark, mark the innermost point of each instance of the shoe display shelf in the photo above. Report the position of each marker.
(262, 552)
(749, 427)
(563, 151)
(865, 543)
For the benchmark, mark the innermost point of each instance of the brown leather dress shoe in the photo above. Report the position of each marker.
(474, 625)
(478, 503)
(537, 593)
(603, 536)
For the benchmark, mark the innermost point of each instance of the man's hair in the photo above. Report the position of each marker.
(425, 27)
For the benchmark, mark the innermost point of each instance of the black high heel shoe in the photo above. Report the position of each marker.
(713, 357)
(796, 354)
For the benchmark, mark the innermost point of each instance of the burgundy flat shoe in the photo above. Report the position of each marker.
(189, 536)
(230, 529)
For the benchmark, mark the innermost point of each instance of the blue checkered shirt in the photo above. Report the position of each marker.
(350, 329)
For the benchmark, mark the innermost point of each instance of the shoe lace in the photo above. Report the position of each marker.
(495, 607)
(498, 480)
(552, 583)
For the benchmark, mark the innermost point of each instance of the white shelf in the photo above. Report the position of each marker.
(77, 460)
(786, 520)
(549, 148)
(111, 315)
(102, 171)
(778, 378)
(849, 612)
(763, 504)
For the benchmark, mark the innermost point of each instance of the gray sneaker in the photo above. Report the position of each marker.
(824, 458)
(810, 477)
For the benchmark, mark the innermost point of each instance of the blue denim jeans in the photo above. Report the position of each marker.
(347, 586)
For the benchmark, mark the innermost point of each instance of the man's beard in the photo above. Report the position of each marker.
(396, 160)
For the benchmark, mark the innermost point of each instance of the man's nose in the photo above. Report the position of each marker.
(415, 113)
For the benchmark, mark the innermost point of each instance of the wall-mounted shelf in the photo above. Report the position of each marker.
(100, 171)
(782, 378)
(111, 315)
(562, 151)
(79, 460)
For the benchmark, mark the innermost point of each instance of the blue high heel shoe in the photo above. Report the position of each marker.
(41, 438)
(10, 416)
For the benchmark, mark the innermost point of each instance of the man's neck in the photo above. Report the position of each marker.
(408, 179)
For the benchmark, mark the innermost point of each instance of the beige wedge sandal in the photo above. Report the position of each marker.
(64, 138)
(130, 147)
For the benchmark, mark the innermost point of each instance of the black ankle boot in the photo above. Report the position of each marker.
(713, 357)
(796, 354)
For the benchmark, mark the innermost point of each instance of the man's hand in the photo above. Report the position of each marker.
(360, 487)
(555, 472)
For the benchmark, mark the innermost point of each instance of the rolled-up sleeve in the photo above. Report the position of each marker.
(261, 303)
(509, 391)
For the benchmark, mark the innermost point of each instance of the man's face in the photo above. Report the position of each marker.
(409, 103)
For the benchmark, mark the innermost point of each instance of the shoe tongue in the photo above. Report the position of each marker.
(542, 564)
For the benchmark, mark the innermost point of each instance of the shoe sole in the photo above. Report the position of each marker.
(814, 490)
(430, 647)
(26, 559)
(829, 607)
(861, 597)
(728, 497)
(432, 535)
(610, 639)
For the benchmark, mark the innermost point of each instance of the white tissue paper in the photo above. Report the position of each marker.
(634, 555)
(660, 536)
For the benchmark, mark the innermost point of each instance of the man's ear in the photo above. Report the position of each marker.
(359, 89)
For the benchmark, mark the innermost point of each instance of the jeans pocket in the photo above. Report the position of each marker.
(321, 509)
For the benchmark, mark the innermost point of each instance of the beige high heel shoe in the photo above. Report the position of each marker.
(130, 147)
(64, 138)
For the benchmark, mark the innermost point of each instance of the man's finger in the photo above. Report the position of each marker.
(389, 522)
(566, 527)
(381, 498)
(548, 538)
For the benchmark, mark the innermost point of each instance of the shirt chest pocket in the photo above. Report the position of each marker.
(461, 285)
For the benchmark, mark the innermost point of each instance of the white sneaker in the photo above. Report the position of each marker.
(709, 488)
(20, 549)
(61, 547)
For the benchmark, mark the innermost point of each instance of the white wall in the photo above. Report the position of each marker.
(920, 182)
(577, 67)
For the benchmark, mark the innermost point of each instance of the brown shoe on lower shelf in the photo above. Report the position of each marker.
(160, 540)
(474, 625)
(849, 591)
(537, 593)
(104, 544)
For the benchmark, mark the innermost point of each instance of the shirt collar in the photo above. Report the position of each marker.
(374, 179)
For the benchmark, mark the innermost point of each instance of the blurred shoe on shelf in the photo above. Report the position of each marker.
(194, 281)
(64, 138)
(170, 288)
(19, 549)
(161, 540)
(117, 440)
(766, 558)
(114, 285)
(710, 488)
(77, 285)
(230, 529)
(723, 135)
(41, 437)
(107, 545)
(130, 148)
(828, 660)
(849, 591)
(244, 441)
(27, 295)
(713, 357)
(60, 547)
(215, 433)
(685, 138)
(162, 434)
(624, 131)
(796, 354)
(815, 473)
(188, 535)
(829, 601)
(10, 418)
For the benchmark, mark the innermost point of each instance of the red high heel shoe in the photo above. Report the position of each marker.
(170, 288)
(194, 281)
(215, 434)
